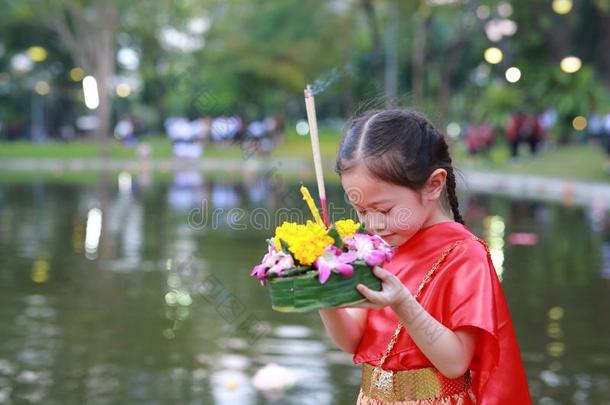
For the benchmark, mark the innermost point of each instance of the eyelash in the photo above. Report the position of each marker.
(383, 212)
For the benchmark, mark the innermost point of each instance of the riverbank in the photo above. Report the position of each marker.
(570, 174)
(581, 162)
(470, 180)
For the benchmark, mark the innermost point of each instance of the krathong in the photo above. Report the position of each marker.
(309, 266)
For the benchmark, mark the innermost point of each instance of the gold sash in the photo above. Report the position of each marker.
(414, 385)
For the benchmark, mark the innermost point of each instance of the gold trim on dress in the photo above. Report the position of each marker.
(413, 385)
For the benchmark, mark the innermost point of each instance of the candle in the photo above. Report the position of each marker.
(312, 206)
(315, 148)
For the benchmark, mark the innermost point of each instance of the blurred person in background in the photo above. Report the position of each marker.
(532, 133)
(186, 137)
(513, 133)
(479, 138)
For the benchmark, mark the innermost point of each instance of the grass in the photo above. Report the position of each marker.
(292, 145)
(583, 161)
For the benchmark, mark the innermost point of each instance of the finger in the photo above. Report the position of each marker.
(382, 273)
(369, 294)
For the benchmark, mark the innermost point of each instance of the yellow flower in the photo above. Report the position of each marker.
(305, 242)
(346, 228)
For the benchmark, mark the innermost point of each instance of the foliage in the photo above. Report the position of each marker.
(256, 57)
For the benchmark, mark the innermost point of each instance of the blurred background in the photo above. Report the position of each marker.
(147, 149)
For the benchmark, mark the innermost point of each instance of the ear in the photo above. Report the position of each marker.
(435, 184)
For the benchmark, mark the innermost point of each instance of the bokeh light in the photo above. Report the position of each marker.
(128, 58)
(92, 98)
(505, 9)
(493, 55)
(579, 123)
(302, 127)
(562, 6)
(21, 63)
(42, 88)
(77, 74)
(483, 12)
(556, 313)
(37, 53)
(453, 129)
(494, 235)
(40, 271)
(123, 90)
(513, 74)
(496, 29)
(555, 349)
(570, 64)
(93, 231)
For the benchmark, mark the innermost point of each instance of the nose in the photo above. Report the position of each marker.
(375, 223)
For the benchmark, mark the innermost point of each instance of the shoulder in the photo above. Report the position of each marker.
(475, 247)
(470, 256)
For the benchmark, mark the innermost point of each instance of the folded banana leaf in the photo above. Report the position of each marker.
(303, 292)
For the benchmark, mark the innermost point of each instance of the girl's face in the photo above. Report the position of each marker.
(393, 212)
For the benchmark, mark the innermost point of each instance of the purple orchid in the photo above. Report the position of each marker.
(273, 262)
(334, 259)
(370, 248)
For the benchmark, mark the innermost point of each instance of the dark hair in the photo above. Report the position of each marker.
(399, 146)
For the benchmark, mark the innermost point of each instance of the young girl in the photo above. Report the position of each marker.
(439, 331)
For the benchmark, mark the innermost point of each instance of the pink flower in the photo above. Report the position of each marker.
(273, 262)
(334, 259)
(370, 248)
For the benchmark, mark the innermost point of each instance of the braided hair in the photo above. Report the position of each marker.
(402, 147)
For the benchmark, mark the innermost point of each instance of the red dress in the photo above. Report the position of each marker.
(465, 291)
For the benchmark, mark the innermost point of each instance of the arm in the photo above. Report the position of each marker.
(345, 326)
(449, 351)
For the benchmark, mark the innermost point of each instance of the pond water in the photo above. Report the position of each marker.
(132, 291)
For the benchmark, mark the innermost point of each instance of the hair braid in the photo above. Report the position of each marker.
(453, 200)
(447, 164)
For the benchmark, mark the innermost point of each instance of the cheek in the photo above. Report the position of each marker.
(404, 219)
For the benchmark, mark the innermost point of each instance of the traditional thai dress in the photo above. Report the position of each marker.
(450, 272)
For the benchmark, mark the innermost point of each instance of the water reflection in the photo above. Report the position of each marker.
(141, 323)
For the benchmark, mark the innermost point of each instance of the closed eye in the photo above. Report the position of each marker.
(384, 211)
(379, 210)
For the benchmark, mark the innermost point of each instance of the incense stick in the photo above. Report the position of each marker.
(315, 148)
(312, 206)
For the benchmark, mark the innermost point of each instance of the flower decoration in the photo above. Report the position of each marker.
(305, 242)
(346, 228)
(274, 262)
(334, 259)
(297, 248)
(370, 248)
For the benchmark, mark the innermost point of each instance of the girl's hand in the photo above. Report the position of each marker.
(392, 293)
